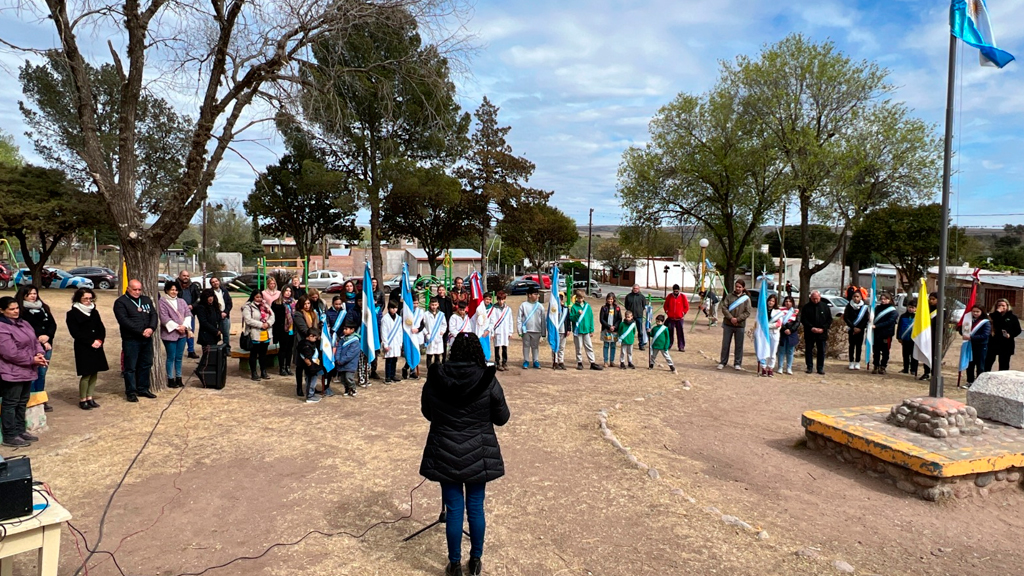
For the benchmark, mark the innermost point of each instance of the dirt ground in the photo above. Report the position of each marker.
(229, 473)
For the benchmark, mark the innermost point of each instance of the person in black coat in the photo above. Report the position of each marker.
(463, 401)
(885, 322)
(38, 315)
(137, 319)
(816, 318)
(857, 319)
(207, 311)
(1005, 327)
(87, 331)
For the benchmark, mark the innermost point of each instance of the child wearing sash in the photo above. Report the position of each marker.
(660, 342)
(904, 333)
(501, 332)
(581, 319)
(308, 354)
(626, 338)
(416, 333)
(437, 327)
(789, 334)
(459, 322)
(531, 323)
(565, 328)
(884, 329)
(483, 325)
(775, 321)
(856, 315)
(346, 355)
(611, 317)
(979, 333)
(391, 342)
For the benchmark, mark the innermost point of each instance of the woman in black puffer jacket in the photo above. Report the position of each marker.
(463, 401)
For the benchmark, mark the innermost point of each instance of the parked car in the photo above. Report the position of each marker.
(836, 303)
(53, 278)
(519, 287)
(102, 278)
(321, 279)
(7, 273)
(595, 288)
(226, 276)
(357, 281)
(163, 279)
(540, 279)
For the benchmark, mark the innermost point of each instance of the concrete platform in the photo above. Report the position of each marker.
(933, 468)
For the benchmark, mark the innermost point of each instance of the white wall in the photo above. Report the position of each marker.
(651, 274)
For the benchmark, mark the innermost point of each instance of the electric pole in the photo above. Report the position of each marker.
(590, 238)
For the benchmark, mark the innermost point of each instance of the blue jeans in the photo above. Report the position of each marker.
(311, 385)
(473, 504)
(225, 331)
(191, 341)
(609, 351)
(175, 350)
(138, 361)
(785, 353)
(39, 384)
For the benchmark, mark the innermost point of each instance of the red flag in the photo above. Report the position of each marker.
(476, 293)
(972, 299)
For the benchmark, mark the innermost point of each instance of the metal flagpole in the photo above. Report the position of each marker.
(935, 386)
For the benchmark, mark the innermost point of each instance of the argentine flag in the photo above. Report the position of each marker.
(869, 334)
(555, 315)
(762, 340)
(369, 332)
(326, 348)
(410, 320)
(968, 21)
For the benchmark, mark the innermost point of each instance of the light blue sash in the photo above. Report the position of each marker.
(739, 302)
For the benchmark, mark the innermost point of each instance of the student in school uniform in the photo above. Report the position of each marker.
(884, 329)
(978, 336)
(459, 322)
(436, 328)
(610, 317)
(581, 318)
(391, 342)
(857, 316)
(660, 342)
(565, 328)
(346, 355)
(416, 333)
(502, 331)
(483, 324)
(789, 334)
(904, 333)
(531, 323)
(775, 320)
(626, 338)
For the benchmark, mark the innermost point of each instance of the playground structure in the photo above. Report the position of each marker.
(708, 277)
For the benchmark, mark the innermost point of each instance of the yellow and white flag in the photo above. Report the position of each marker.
(922, 333)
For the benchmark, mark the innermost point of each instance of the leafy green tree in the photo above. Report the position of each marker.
(905, 236)
(845, 149)
(615, 257)
(299, 198)
(42, 208)
(9, 153)
(496, 177)
(648, 242)
(707, 164)
(823, 240)
(376, 94)
(428, 205)
(230, 229)
(542, 232)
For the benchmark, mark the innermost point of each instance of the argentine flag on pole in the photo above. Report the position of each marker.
(326, 348)
(477, 310)
(410, 321)
(922, 333)
(869, 334)
(555, 317)
(369, 332)
(762, 341)
(968, 21)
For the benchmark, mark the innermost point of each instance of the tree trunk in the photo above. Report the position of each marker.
(805, 246)
(34, 268)
(433, 263)
(855, 272)
(143, 261)
(375, 255)
(483, 252)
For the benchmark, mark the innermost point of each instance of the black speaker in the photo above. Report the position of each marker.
(16, 489)
(213, 366)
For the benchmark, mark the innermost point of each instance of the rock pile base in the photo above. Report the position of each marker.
(937, 417)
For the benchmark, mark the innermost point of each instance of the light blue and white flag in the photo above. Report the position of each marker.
(555, 316)
(968, 21)
(762, 340)
(326, 348)
(369, 332)
(410, 321)
(869, 334)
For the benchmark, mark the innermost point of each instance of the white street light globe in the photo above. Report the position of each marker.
(704, 243)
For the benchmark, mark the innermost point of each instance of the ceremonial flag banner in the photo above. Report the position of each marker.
(762, 341)
(479, 315)
(554, 314)
(968, 21)
(369, 332)
(869, 334)
(970, 301)
(922, 333)
(410, 321)
(326, 348)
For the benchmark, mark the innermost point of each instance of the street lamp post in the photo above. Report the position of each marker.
(703, 261)
(666, 280)
(590, 237)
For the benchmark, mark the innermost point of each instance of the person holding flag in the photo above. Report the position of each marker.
(883, 329)
(857, 320)
(436, 327)
(904, 333)
(766, 346)
(480, 310)
(327, 355)
(369, 334)
(976, 343)
(412, 322)
(502, 316)
(581, 319)
(561, 330)
(871, 299)
(933, 327)
(1005, 328)
(531, 323)
(922, 333)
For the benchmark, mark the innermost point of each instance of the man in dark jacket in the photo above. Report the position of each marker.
(189, 292)
(463, 402)
(225, 305)
(138, 319)
(816, 317)
(637, 304)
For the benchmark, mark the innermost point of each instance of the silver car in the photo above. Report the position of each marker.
(321, 279)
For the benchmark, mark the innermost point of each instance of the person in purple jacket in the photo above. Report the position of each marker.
(21, 355)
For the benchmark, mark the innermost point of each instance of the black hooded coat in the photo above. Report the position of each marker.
(463, 402)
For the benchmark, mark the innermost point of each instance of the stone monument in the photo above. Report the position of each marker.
(999, 396)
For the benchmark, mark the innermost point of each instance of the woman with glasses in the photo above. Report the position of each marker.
(87, 330)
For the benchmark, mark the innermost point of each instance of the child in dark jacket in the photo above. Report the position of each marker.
(309, 363)
(884, 328)
(904, 333)
(346, 358)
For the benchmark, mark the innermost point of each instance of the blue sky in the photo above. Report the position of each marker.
(578, 81)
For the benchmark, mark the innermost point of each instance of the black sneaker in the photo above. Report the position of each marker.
(672, 369)
(147, 394)
(474, 566)
(650, 366)
(193, 355)
(810, 370)
(622, 365)
(821, 372)
(132, 398)
(28, 437)
(453, 569)
(579, 365)
(47, 407)
(17, 442)
(595, 366)
(631, 367)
